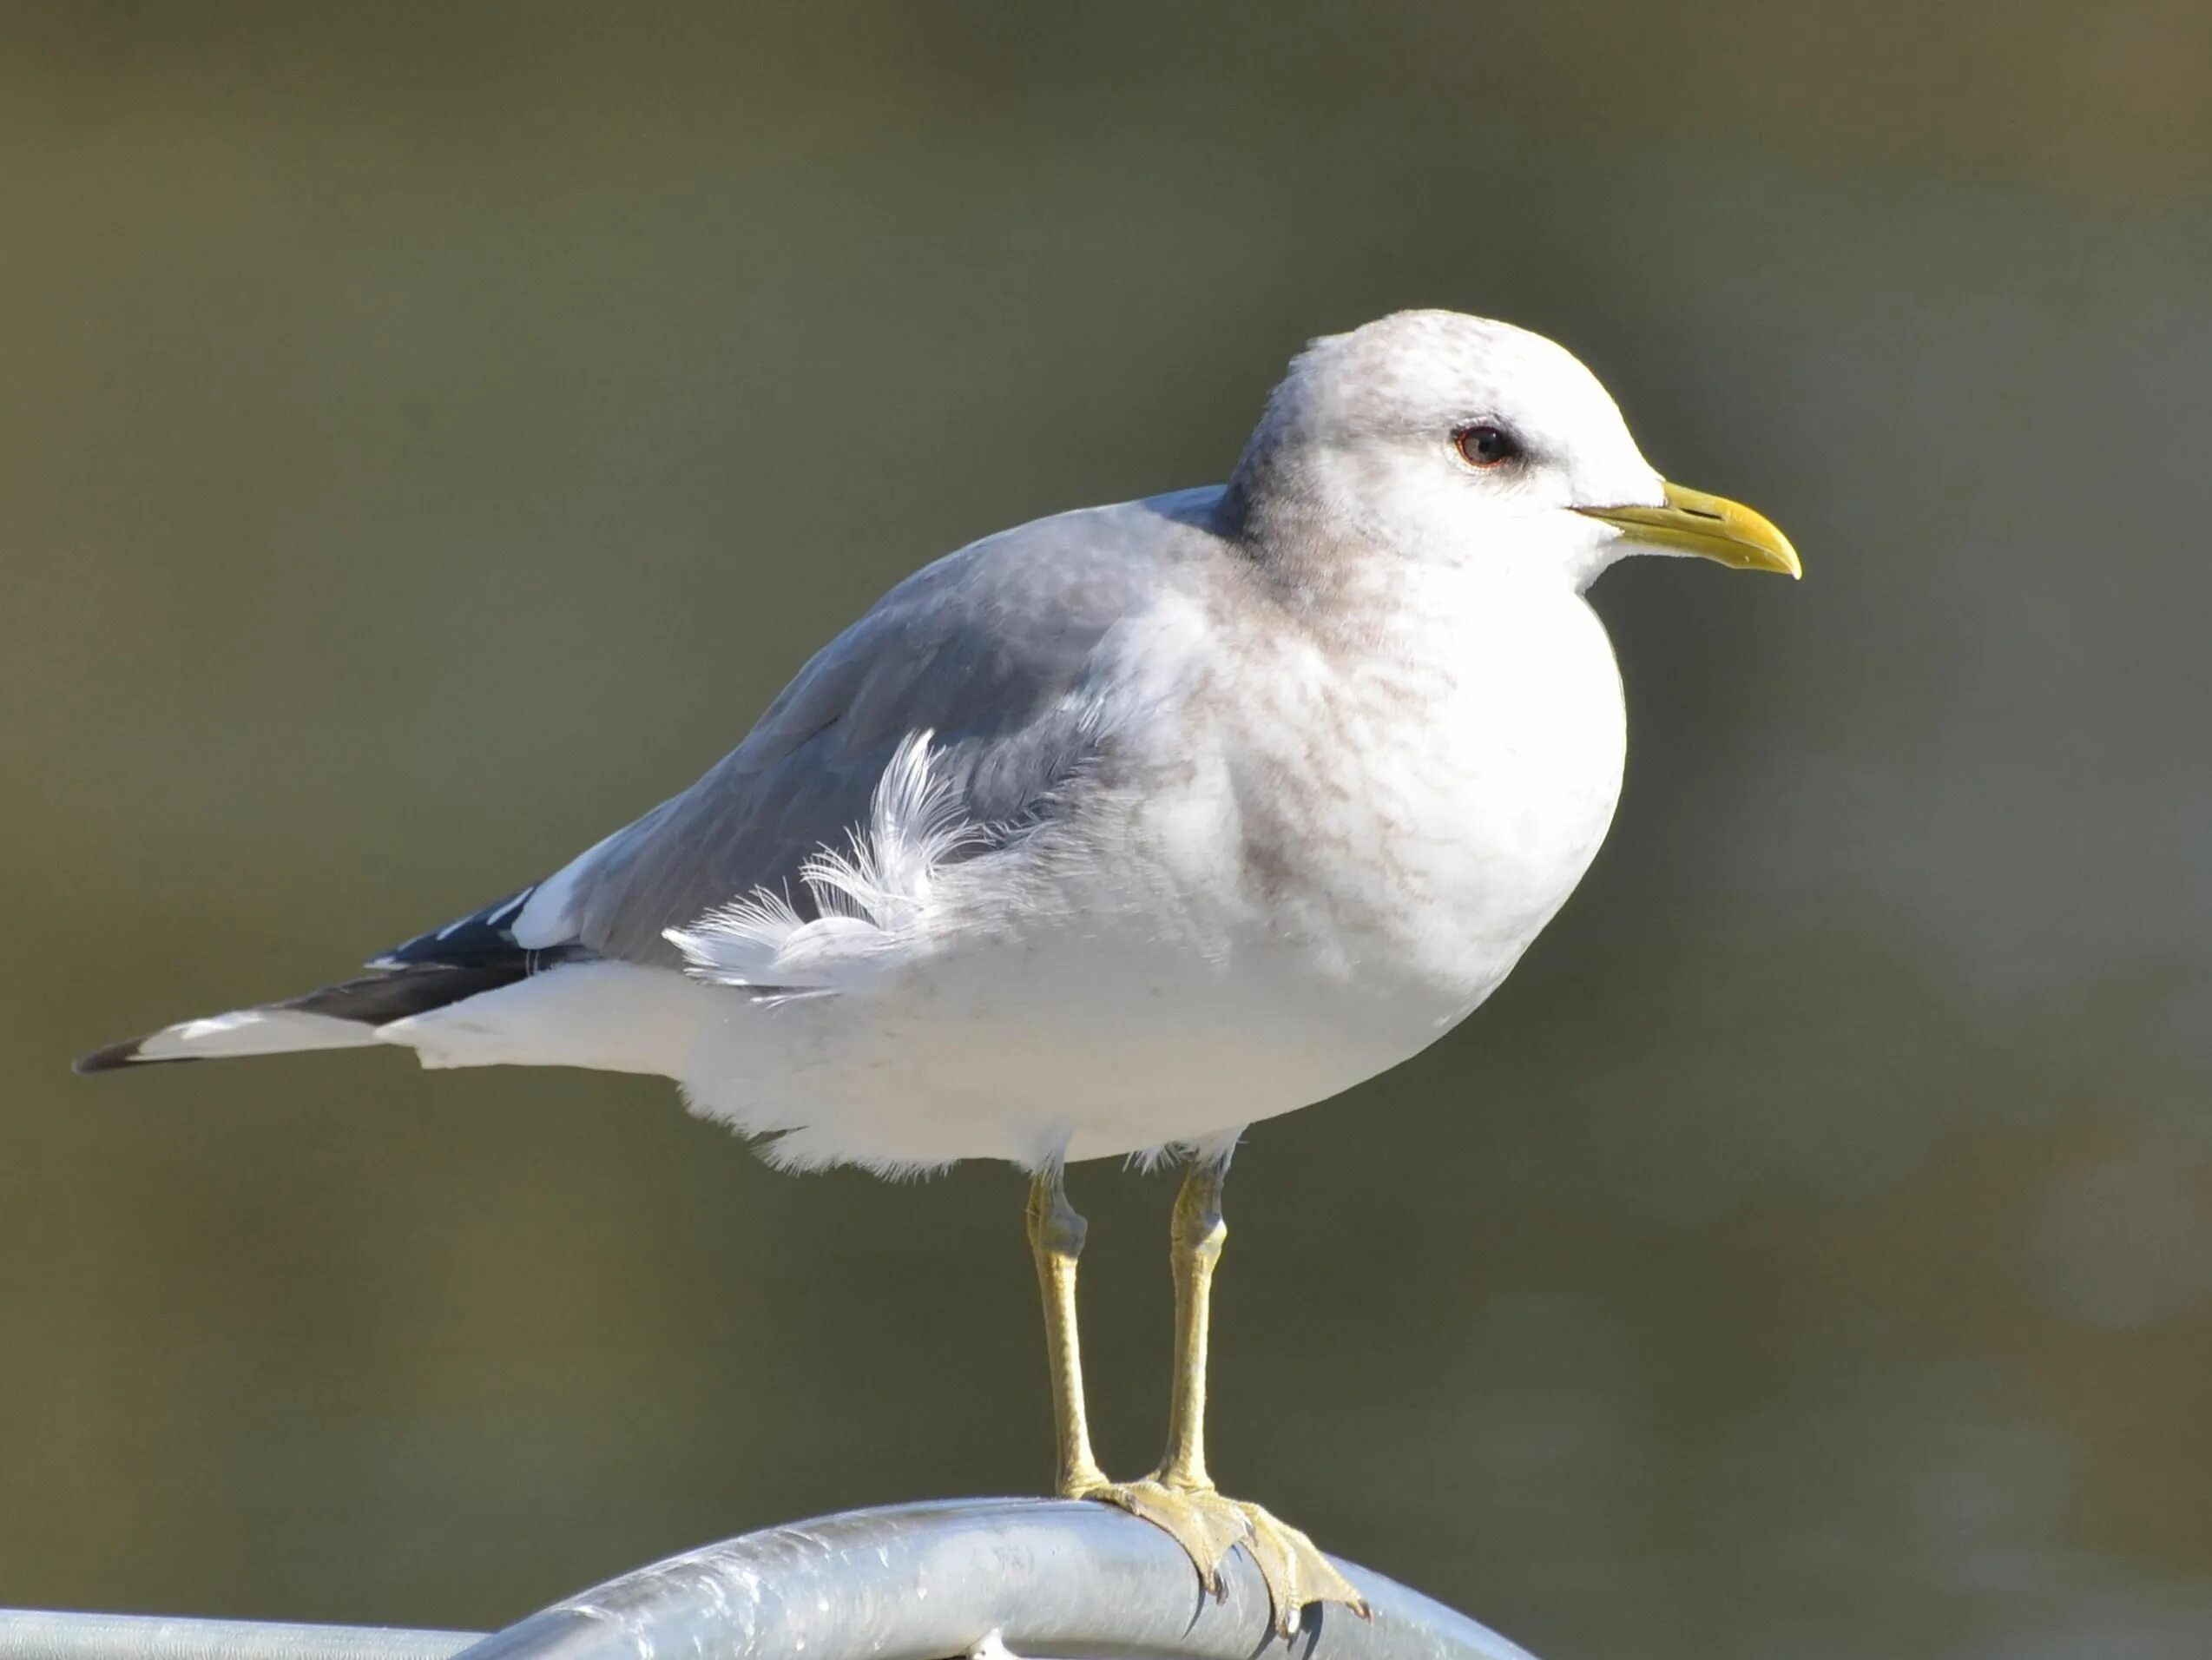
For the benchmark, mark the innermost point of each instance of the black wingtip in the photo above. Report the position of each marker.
(113, 1058)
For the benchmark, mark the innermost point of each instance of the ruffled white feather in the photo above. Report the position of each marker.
(875, 900)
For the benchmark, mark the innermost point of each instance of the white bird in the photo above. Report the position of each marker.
(1113, 833)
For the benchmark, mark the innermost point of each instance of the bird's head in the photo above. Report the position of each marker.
(1454, 437)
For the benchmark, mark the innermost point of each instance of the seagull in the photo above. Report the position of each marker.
(1111, 834)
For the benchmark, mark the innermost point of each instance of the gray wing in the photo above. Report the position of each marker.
(990, 648)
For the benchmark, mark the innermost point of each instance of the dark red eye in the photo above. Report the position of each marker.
(1485, 445)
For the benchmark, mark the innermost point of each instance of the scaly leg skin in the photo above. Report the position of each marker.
(1179, 1498)
(1056, 1241)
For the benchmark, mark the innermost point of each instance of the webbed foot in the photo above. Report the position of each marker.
(1208, 1524)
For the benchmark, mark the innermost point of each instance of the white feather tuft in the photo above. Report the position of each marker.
(875, 900)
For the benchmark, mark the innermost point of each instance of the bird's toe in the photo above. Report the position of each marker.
(1210, 1525)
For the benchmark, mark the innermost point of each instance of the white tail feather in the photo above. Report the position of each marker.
(252, 1031)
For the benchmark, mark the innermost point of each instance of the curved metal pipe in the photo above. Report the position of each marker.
(920, 1582)
(36, 1634)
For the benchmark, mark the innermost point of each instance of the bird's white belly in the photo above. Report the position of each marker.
(1068, 1048)
(1247, 940)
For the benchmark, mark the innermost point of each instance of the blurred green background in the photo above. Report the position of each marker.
(428, 435)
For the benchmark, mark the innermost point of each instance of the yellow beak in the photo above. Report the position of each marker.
(1712, 527)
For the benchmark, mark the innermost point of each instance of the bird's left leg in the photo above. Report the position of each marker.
(1181, 1496)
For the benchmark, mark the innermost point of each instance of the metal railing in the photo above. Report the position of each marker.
(36, 1634)
(1031, 1577)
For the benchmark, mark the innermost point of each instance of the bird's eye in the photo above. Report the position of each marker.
(1485, 445)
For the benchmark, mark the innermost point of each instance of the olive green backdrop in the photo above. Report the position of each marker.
(429, 434)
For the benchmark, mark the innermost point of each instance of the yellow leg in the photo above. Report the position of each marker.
(1195, 1233)
(1056, 1241)
(1179, 1497)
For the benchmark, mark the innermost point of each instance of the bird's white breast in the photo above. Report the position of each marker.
(1408, 814)
(1306, 861)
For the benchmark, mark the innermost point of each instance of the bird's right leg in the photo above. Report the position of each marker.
(1056, 1241)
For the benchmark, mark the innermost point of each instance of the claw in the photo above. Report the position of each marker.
(1208, 1526)
(1296, 1571)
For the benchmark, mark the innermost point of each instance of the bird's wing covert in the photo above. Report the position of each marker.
(990, 650)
